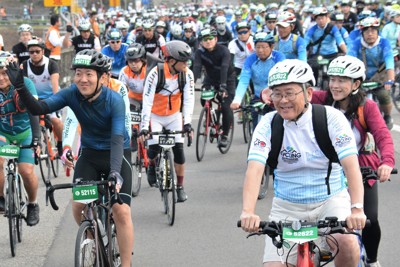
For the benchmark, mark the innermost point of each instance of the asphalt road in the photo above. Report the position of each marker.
(204, 233)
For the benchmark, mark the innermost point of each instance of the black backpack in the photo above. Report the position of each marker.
(320, 126)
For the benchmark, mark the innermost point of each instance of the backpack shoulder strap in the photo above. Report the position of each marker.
(161, 77)
(239, 46)
(361, 119)
(276, 140)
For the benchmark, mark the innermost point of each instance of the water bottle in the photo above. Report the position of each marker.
(103, 232)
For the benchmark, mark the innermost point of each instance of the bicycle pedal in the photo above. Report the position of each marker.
(325, 256)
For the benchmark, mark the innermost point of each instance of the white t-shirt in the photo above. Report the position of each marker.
(240, 56)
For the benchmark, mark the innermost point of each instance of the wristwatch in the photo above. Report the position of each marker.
(357, 206)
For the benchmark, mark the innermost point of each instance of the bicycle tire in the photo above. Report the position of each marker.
(115, 253)
(160, 180)
(225, 150)
(11, 213)
(264, 183)
(396, 94)
(202, 133)
(84, 254)
(23, 201)
(44, 159)
(170, 190)
(247, 126)
(137, 170)
(54, 161)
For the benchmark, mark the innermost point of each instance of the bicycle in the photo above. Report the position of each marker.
(140, 160)
(16, 199)
(396, 92)
(48, 158)
(209, 125)
(96, 241)
(165, 172)
(304, 233)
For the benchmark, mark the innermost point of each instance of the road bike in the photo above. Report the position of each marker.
(396, 93)
(303, 234)
(48, 158)
(209, 126)
(139, 159)
(16, 199)
(96, 241)
(165, 172)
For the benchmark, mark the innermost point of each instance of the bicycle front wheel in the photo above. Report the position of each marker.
(86, 247)
(225, 150)
(137, 170)
(247, 126)
(54, 159)
(170, 189)
(23, 201)
(396, 94)
(44, 159)
(202, 134)
(11, 213)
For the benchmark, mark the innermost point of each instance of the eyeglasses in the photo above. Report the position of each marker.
(243, 32)
(288, 96)
(136, 60)
(35, 52)
(208, 38)
(271, 21)
(115, 42)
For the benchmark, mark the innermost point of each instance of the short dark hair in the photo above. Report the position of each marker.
(54, 19)
(94, 13)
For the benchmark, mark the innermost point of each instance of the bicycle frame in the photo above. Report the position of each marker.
(46, 130)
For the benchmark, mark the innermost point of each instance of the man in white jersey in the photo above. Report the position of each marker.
(300, 189)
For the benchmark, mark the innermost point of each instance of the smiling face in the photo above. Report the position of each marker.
(86, 81)
(341, 87)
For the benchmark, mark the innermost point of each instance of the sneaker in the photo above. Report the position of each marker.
(89, 252)
(182, 197)
(373, 264)
(389, 121)
(32, 216)
(2, 204)
(151, 176)
(223, 142)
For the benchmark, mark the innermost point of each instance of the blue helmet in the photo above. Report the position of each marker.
(264, 37)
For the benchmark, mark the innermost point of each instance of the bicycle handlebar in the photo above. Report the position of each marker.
(370, 174)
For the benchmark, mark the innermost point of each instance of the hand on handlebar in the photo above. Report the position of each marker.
(223, 91)
(356, 220)
(250, 222)
(266, 96)
(115, 177)
(235, 106)
(144, 135)
(67, 158)
(383, 173)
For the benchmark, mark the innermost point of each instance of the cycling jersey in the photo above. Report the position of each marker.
(133, 82)
(350, 21)
(376, 55)
(168, 100)
(241, 51)
(154, 46)
(224, 39)
(329, 44)
(118, 58)
(256, 70)
(390, 32)
(302, 166)
(20, 51)
(291, 50)
(13, 121)
(80, 44)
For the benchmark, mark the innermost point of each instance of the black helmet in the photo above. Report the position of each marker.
(135, 51)
(91, 59)
(178, 50)
(36, 42)
(114, 34)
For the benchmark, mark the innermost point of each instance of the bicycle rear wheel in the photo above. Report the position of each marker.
(85, 247)
(137, 170)
(247, 126)
(264, 183)
(11, 212)
(55, 159)
(396, 94)
(170, 189)
(225, 150)
(202, 133)
(44, 159)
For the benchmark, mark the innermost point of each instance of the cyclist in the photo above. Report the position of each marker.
(116, 51)
(224, 35)
(270, 23)
(153, 42)
(20, 128)
(300, 184)
(45, 75)
(105, 141)
(162, 108)
(288, 43)
(350, 18)
(337, 19)
(346, 75)
(376, 53)
(220, 74)
(86, 39)
(391, 32)
(256, 67)
(20, 50)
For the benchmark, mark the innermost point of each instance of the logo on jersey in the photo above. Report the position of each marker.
(280, 76)
(290, 155)
(259, 143)
(342, 140)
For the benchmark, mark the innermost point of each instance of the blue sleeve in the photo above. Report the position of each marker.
(245, 77)
(279, 56)
(337, 35)
(387, 53)
(59, 100)
(118, 115)
(354, 48)
(309, 34)
(301, 49)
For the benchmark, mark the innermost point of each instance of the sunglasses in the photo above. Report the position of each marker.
(209, 38)
(242, 32)
(35, 52)
(115, 42)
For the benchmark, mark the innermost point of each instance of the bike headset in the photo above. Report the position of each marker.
(292, 71)
(349, 67)
(92, 59)
(178, 50)
(135, 51)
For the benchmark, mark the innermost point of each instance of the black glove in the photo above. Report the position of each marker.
(16, 75)
(223, 90)
(35, 142)
(69, 28)
(187, 128)
(144, 132)
(114, 176)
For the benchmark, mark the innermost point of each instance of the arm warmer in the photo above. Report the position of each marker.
(34, 120)
(117, 152)
(35, 107)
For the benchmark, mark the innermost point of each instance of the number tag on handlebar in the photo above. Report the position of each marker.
(323, 61)
(136, 117)
(166, 140)
(207, 94)
(303, 235)
(85, 193)
(9, 151)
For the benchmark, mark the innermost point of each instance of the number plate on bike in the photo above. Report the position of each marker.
(207, 94)
(323, 61)
(136, 117)
(164, 140)
(85, 194)
(9, 151)
(303, 235)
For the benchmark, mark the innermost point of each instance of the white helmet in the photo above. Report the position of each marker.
(25, 28)
(286, 18)
(122, 24)
(84, 25)
(220, 20)
(290, 71)
(161, 23)
(188, 25)
(347, 66)
(176, 30)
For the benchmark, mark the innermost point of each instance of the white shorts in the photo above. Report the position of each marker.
(172, 122)
(338, 206)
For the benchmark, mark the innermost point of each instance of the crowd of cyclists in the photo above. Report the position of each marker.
(151, 60)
